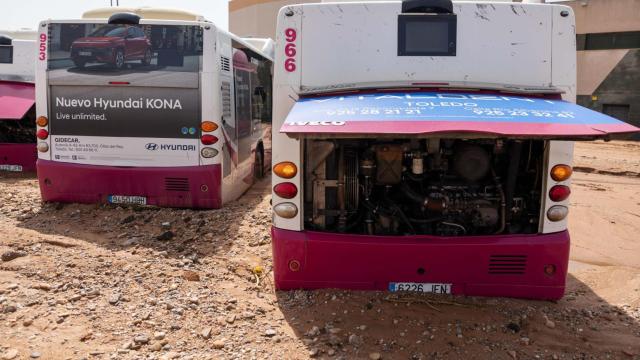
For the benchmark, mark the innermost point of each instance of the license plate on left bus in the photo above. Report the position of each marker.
(16, 168)
(123, 199)
(421, 287)
(84, 53)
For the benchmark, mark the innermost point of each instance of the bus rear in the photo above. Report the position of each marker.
(133, 111)
(426, 146)
(17, 100)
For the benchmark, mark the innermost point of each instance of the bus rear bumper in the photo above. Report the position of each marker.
(16, 155)
(504, 265)
(182, 187)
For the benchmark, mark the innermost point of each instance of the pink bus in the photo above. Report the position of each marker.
(144, 109)
(17, 103)
(426, 146)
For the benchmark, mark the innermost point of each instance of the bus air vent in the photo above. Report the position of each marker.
(176, 184)
(226, 99)
(224, 63)
(507, 264)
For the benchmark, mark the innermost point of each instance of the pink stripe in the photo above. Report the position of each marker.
(428, 127)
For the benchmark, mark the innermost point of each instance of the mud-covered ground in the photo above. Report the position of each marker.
(96, 282)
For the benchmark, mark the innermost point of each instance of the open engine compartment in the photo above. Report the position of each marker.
(435, 186)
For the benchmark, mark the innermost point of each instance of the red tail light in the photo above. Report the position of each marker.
(286, 190)
(208, 139)
(559, 193)
(42, 134)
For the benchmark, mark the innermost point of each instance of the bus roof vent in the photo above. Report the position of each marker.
(427, 6)
(5, 40)
(124, 18)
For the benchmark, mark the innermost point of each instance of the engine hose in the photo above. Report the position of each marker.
(400, 213)
(503, 204)
(429, 203)
(512, 174)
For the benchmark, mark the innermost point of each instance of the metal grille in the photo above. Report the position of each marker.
(176, 184)
(507, 264)
(225, 64)
(226, 100)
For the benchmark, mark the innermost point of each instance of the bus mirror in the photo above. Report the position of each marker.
(124, 18)
(427, 6)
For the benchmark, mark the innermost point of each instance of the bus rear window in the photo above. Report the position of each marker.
(6, 54)
(90, 53)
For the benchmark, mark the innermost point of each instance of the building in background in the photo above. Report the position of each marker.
(608, 40)
(257, 18)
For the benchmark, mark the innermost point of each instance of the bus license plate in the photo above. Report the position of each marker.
(122, 199)
(421, 287)
(16, 168)
(84, 53)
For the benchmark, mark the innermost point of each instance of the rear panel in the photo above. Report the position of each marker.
(124, 95)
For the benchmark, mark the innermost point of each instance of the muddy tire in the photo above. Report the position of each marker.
(258, 165)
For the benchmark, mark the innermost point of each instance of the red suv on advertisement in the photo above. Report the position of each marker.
(112, 44)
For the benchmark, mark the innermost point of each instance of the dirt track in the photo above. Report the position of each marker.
(95, 282)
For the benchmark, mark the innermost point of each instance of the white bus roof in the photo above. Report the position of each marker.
(145, 13)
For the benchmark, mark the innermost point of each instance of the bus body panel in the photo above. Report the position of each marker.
(183, 187)
(18, 157)
(471, 264)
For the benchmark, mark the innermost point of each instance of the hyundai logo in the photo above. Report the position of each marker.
(151, 146)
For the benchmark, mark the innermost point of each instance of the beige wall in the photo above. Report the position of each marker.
(256, 18)
(597, 16)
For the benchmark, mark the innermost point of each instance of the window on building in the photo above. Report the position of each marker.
(618, 111)
(606, 41)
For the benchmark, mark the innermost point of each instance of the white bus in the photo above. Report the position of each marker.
(150, 106)
(424, 145)
(17, 101)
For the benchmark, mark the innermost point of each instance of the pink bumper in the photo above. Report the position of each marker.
(24, 155)
(184, 187)
(505, 265)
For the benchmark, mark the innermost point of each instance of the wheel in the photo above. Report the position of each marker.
(147, 57)
(119, 60)
(258, 165)
(79, 63)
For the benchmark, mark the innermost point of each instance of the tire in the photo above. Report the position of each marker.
(146, 60)
(79, 63)
(118, 62)
(258, 165)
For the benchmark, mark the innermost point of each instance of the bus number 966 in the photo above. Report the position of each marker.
(290, 36)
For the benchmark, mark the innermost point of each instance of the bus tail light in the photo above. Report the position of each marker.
(285, 169)
(208, 152)
(559, 193)
(208, 139)
(561, 172)
(42, 121)
(43, 147)
(286, 190)
(286, 210)
(42, 134)
(208, 126)
(557, 213)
